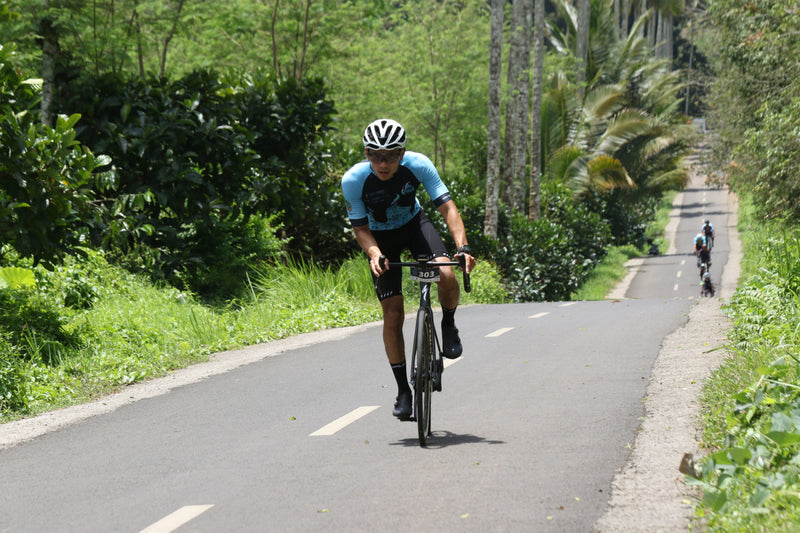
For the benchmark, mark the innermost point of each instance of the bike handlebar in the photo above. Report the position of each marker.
(428, 263)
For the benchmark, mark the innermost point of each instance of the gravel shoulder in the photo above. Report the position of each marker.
(649, 494)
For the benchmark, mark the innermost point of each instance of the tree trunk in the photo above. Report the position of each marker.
(49, 57)
(276, 65)
(520, 180)
(582, 45)
(666, 35)
(535, 201)
(299, 73)
(689, 70)
(652, 30)
(168, 38)
(517, 106)
(623, 23)
(493, 140)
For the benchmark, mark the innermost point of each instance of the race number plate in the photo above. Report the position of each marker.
(429, 275)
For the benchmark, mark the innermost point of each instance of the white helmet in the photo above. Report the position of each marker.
(384, 134)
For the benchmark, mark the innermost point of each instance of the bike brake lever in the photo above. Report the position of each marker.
(463, 261)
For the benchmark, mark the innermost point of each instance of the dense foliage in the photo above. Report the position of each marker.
(46, 174)
(249, 146)
(756, 100)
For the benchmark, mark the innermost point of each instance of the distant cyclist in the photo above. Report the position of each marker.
(708, 285)
(387, 219)
(708, 232)
(702, 251)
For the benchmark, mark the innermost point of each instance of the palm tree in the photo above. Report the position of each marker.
(625, 134)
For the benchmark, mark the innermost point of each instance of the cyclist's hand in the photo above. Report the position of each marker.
(378, 264)
(468, 261)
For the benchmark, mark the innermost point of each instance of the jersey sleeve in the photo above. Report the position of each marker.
(428, 176)
(352, 186)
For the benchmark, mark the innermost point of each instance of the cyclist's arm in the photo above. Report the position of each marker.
(455, 224)
(370, 246)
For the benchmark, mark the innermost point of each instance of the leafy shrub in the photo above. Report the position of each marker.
(12, 382)
(46, 208)
(750, 480)
(224, 253)
(548, 258)
(34, 323)
(250, 145)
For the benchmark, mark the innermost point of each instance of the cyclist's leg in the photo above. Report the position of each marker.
(428, 240)
(389, 289)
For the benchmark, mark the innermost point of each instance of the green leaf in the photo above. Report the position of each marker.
(17, 277)
(714, 500)
(760, 496)
(739, 456)
(784, 438)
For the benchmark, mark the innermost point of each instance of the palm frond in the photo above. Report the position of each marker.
(566, 163)
(627, 125)
(675, 179)
(607, 173)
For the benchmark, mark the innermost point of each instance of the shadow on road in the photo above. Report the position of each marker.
(443, 439)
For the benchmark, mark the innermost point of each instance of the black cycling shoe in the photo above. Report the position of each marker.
(402, 407)
(452, 348)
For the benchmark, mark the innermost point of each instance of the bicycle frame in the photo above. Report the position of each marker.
(427, 363)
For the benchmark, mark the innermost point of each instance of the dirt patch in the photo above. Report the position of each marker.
(649, 494)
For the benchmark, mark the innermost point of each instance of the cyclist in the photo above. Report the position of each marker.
(708, 232)
(708, 285)
(386, 216)
(702, 251)
(699, 244)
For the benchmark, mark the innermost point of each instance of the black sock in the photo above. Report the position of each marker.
(401, 376)
(448, 317)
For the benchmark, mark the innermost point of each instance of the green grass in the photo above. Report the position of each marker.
(607, 274)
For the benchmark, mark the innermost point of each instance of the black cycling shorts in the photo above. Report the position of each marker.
(420, 237)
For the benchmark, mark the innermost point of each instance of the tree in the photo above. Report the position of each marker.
(582, 30)
(493, 139)
(755, 101)
(534, 205)
(516, 137)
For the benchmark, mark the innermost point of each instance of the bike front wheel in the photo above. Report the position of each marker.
(423, 384)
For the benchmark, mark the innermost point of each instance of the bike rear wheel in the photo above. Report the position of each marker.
(423, 382)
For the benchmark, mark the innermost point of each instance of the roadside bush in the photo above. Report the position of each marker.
(46, 197)
(250, 146)
(548, 258)
(13, 384)
(750, 479)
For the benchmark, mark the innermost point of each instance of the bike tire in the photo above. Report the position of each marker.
(423, 383)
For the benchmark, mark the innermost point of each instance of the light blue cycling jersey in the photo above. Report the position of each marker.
(391, 204)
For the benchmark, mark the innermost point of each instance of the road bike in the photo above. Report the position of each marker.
(704, 268)
(427, 363)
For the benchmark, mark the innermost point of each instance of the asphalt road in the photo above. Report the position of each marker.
(533, 422)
